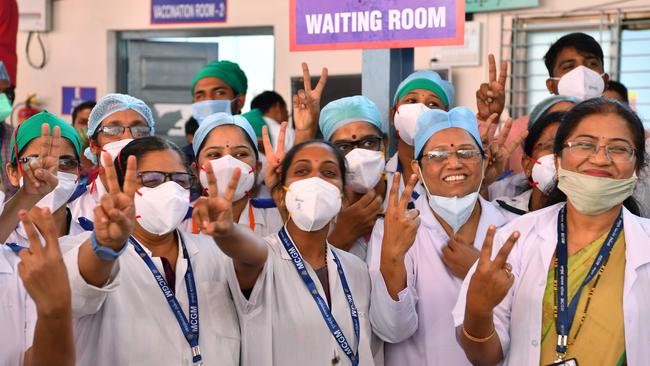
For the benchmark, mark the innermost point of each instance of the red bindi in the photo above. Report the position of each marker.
(227, 146)
(354, 137)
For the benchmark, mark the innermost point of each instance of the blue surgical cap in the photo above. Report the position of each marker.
(428, 80)
(435, 120)
(112, 103)
(340, 112)
(3, 72)
(219, 119)
(546, 104)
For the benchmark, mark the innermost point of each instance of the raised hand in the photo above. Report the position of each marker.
(356, 219)
(115, 214)
(42, 269)
(499, 151)
(306, 105)
(459, 256)
(214, 212)
(492, 280)
(39, 175)
(274, 157)
(491, 96)
(400, 223)
(487, 129)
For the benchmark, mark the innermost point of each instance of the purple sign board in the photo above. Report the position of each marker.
(187, 11)
(72, 96)
(355, 24)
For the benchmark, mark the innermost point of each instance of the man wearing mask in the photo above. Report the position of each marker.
(575, 65)
(6, 130)
(220, 86)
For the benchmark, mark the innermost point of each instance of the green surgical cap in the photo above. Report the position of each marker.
(31, 129)
(227, 71)
(256, 118)
(427, 80)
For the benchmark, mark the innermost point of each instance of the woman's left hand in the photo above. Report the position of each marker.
(214, 212)
(498, 152)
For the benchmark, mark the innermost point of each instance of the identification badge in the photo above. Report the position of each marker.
(569, 362)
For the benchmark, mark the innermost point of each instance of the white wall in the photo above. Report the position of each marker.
(80, 52)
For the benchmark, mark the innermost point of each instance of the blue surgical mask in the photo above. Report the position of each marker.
(454, 210)
(200, 110)
(5, 107)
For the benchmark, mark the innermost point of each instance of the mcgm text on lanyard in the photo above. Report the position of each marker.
(190, 328)
(566, 311)
(333, 326)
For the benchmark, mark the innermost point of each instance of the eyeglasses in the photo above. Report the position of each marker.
(136, 131)
(152, 178)
(66, 164)
(440, 156)
(585, 149)
(369, 143)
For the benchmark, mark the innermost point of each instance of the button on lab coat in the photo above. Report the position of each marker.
(129, 322)
(418, 329)
(518, 318)
(281, 323)
(17, 311)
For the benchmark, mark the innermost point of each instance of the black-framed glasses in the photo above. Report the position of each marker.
(136, 131)
(369, 143)
(152, 178)
(66, 163)
(586, 149)
(440, 155)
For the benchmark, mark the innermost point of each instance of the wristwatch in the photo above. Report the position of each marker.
(104, 252)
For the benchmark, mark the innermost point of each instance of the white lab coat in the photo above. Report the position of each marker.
(17, 311)
(419, 329)
(392, 166)
(509, 186)
(85, 204)
(642, 189)
(129, 322)
(19, 236)
(520, 202)
(518, 318)
(281, 323)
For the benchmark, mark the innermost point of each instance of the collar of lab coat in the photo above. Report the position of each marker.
(637, 237)
(192, 248)
(490, 215)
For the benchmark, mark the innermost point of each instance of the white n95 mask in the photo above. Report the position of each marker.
(594, 195)
(544, 173)
(223, 169)
(200, 110)
(312, 203)
(114, 148)
(61, 193)
(582, 83)
(161, 209)
(405, 120)
(365, 169)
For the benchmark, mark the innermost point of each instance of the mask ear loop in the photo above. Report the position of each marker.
(532, 183)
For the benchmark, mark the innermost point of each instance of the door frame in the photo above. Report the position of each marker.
(122, 39)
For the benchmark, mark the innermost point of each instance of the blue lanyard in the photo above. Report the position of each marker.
(415, 195)
(565, 314)
(189, 328)
(336, 331)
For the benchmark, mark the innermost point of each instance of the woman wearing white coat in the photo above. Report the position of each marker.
(575, 288)
(308, 300)
(416, 279)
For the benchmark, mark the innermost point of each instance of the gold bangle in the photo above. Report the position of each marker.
(477, 340)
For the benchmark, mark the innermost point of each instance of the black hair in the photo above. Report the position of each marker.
(266, 100)
(583, 43)
(291, 154)
(140, 147)
(248, 138)
(619, 88)
(538, 127)
(191, 125)
(89, 104)
(590, 107)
